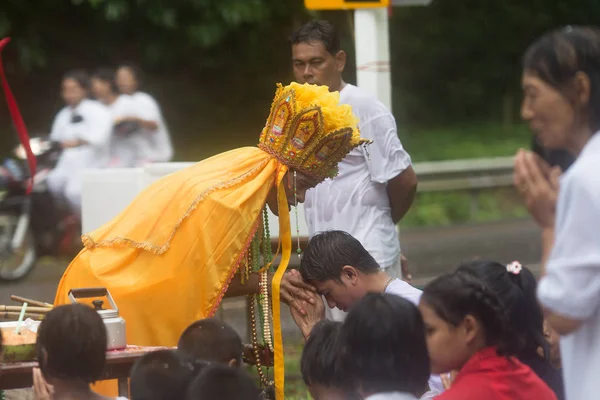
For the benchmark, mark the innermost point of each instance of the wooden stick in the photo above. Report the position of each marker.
(36, 303)
(31, 310)
(9, 315)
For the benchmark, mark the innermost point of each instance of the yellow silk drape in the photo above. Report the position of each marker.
(169, 257)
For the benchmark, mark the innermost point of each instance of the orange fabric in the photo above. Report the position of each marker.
(169, 257)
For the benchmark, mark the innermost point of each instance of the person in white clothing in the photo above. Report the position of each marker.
(376, 185)
(130, 142)
(151, 119)
(343, 272)
(83, 130)
(561, 83)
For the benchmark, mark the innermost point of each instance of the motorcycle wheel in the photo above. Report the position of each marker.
(15, 264)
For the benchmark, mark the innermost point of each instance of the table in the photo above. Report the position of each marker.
(118, 365)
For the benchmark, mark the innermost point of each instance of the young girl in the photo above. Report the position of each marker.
(467, 331)
(515, 287)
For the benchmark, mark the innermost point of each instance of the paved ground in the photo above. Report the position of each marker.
(430, 252)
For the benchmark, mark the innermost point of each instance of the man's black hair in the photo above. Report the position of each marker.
(218, 382)
(320, 357)
(71, 344)
(384, 349)
(211, 340)
(106, 75)
(328, 252)
(318, 31)
(162, 375)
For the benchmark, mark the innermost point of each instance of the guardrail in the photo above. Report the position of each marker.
(469, 174)
(107, 192)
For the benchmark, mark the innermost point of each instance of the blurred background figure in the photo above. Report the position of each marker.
(130, 143)
(82, 128)
(151, 120)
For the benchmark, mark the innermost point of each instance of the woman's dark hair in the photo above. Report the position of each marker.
(328, 252)
(136, 71)
(558, 56)
(163, 375)
(320, 357)
(218, 382)
(318, 31)
(455, 295)
(71, 344)
(80, 76)
(383, 345)
(107, 75)
(517, 295)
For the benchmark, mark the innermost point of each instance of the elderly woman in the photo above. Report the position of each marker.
(561, 81)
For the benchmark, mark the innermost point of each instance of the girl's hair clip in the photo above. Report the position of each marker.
(514, 268)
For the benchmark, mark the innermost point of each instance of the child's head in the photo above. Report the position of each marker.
(383, 346)
(161, 375)
(462, 316)
(320, 362)
(212, 340)
(335, 263)
(516, 288)
(219, 382)
(71, 344)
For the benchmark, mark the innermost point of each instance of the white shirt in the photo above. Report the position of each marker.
(391, 396)
(131, 150)
(160, 149)
(94, 128)
(356, 201)
(571, 286)
(402, 289)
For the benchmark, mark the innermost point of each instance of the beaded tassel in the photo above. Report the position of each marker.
(298, 249)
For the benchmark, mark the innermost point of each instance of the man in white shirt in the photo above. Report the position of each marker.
(376, 185)
(343, 272)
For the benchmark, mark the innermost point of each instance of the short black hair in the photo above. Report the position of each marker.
(558, 55)
(455, 295)
(384, 349)
(218, 382)
(320, 357)
(328, 252)
(211, 340)
(80, 76)
(517, 295)
(161, 375)
(318, 31)
(106, 74)
(71, 344)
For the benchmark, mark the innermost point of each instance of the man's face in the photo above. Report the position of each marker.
(315, 65)
(341, 294)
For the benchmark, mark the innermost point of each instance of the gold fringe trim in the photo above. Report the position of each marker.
(89, 242)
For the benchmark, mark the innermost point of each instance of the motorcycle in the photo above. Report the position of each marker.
(31, 225)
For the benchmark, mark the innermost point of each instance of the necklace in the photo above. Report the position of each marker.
(387, 284)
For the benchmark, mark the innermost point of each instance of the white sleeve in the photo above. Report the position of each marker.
(386, 158)
(98, 127)
(57, 126)
(148, 109)
(571, 286)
